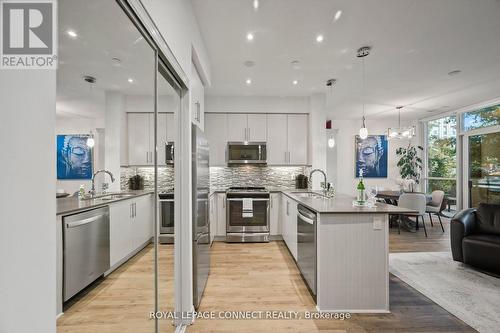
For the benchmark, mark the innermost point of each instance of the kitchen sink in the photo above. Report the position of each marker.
(308, 195)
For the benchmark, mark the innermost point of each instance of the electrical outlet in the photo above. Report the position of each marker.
(378, 223)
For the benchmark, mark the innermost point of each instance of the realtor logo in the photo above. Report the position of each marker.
(28, 35)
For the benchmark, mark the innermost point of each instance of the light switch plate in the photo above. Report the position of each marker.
(378, 223)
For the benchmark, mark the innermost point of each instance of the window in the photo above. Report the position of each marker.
(442, 156)
(485, 117)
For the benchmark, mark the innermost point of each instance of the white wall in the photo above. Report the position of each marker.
(257, 104)
(76, 125)
(178, 25)
(345, 174)
(27, 201)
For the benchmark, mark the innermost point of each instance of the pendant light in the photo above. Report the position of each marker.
(406, 132)
(91, 81)
(91, 140)
(362, 53)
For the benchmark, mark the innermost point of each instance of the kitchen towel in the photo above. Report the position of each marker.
(247, 210)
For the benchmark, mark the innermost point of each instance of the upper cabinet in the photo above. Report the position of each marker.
(216, 132)
(246, 127)
(287, 139)
(197, 94)
(141, 137)
(286, 135)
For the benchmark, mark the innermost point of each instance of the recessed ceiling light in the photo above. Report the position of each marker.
(455, 72)
(337, 16)
(116, 61)
(248, 81)
(255, 4)
(295, 82)
(250, 36)
(319, 38)
(130, 80)
(72, 33)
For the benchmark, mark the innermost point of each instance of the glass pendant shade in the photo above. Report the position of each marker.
(331, 142)
(363, 132)
(401, 132)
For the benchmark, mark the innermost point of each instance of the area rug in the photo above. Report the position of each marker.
(472, 296)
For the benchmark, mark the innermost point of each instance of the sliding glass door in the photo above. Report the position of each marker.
(483, 152)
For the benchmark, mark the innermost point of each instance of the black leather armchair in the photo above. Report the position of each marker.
(475, 237)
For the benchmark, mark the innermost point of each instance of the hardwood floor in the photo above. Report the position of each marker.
(264, 277)
(437, 241)
(251, 277)
(122, 301)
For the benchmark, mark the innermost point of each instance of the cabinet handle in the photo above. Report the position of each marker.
(131, 211)
(287, 208)
(198, 112)
(147, 157)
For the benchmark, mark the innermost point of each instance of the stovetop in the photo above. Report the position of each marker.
(247, 189)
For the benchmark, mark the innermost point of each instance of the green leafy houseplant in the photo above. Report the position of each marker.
(409, 163)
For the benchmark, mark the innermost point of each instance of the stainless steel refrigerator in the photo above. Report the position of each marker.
(201, 223)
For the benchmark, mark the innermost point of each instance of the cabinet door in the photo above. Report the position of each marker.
(171, 127)
(120, 214)
(237, 127)
(142, 221)
(297, 139)
(139, 138)
(293, 228)
(277, 149)
(257, 127)
(213, 216)
(221, 214)
(162, 136)
(275, 213)
(284, 218)
(216, 133)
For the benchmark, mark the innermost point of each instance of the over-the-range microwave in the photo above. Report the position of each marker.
(169, 152)
(246, 153)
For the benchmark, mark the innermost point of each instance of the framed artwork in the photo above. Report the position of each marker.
(371, 156)
(74, 157)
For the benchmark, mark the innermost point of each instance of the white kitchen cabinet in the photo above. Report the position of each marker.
(275, 214)
(142, 221)
(221, 214)
(277, 147)
(131, 225)
(141, 138)
(197, 94)
(171, 127)
(216, 133)
(297, 139)
(237, 127)
(257, 127)
(213, 216)
(289, 224)
(287, 139)
(120, 216)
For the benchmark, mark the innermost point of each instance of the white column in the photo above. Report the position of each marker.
(317, 136)
(27, 201)
(115, 109)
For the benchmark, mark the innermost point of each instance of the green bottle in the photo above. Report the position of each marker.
(361, 189)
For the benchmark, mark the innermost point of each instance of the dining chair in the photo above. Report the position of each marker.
(435, 206)
(416, 202)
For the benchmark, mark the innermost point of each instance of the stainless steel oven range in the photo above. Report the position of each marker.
(166, 199)
(247, 213)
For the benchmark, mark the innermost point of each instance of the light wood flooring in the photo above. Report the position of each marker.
(251, 277)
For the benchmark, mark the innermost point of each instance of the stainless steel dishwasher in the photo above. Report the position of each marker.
(306, 245)
(86, 249)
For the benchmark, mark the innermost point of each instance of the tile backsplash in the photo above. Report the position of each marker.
(220, 177)
(251, 175)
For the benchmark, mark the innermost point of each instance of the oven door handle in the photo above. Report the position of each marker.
(237, 199)
(166, 200)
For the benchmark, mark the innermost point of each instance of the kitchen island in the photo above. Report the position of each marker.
(351, 250)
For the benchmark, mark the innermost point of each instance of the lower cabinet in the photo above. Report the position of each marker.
(275, 214)
(131, 225)
(221, 214)
(289, 224)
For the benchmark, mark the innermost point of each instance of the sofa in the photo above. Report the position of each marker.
(475, 237)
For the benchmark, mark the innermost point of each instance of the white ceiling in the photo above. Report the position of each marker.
(415, 44)
(104, 31)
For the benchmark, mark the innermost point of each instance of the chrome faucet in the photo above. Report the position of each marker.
(92, 191)
(325, 184)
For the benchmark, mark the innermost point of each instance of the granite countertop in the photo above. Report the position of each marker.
(342, 203)
(71, 205)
